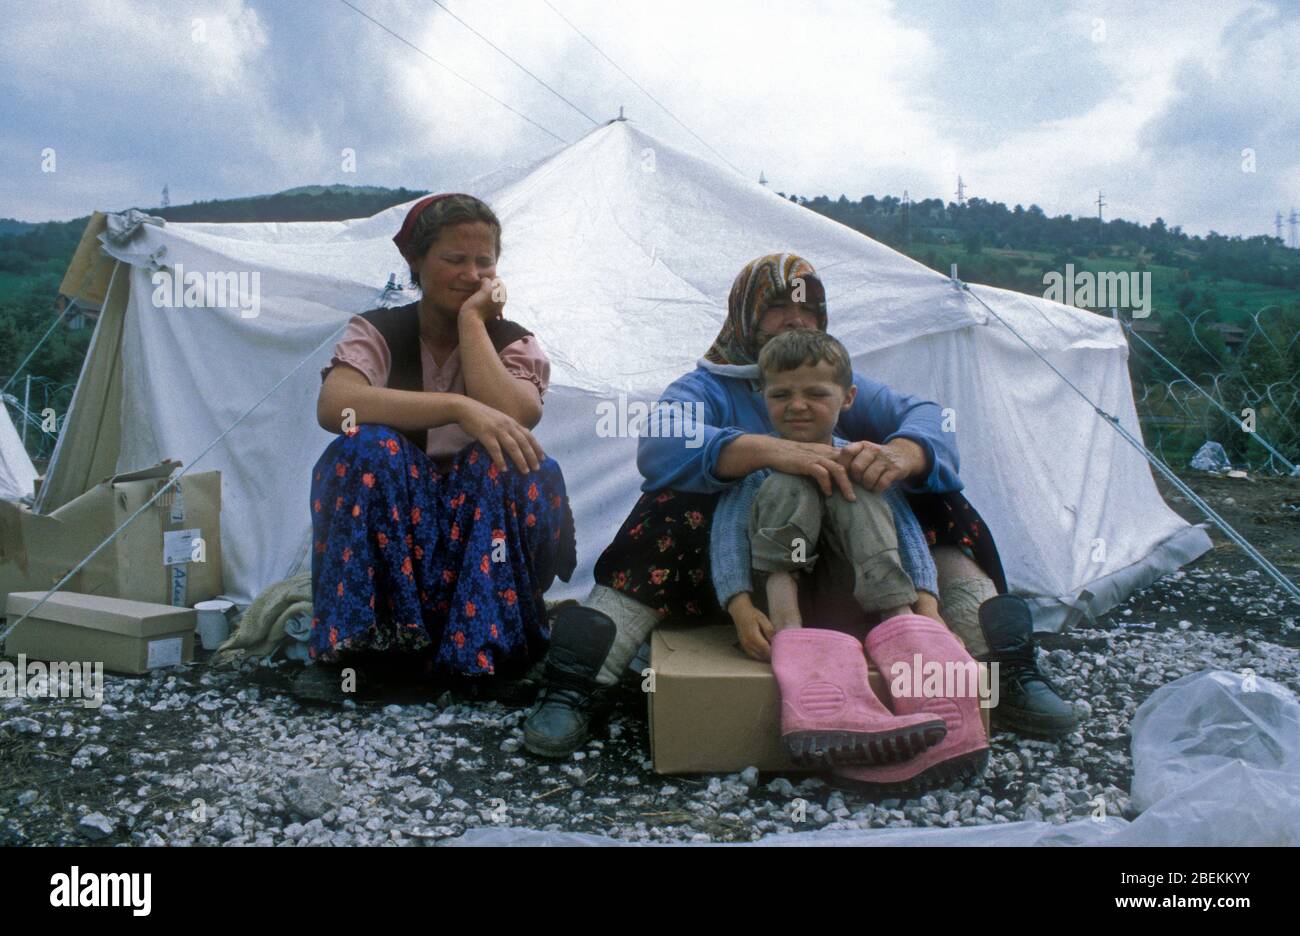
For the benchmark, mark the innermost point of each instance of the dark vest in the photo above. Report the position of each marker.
(400, 328)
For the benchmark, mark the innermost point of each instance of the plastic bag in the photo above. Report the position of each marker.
(1195, 725)
(1210, 457)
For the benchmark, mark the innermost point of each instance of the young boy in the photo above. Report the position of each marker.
(871, 548)
(792, 535)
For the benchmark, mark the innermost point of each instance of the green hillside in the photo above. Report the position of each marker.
(1221, 283)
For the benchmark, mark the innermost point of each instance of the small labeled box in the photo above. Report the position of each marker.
(130, 637)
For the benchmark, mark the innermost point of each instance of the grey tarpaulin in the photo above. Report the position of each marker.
(120, 228)
(1215, 758)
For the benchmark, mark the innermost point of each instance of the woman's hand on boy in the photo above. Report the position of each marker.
(825, 464)
(752, 627)
(876, 467)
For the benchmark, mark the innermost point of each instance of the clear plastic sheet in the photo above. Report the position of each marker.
(1216, 761)
(1191, 727)
(1210, 457)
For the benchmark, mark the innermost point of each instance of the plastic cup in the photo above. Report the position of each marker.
(214, 622)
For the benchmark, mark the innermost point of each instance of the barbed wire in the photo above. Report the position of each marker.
(48, 397)
(1237, 384)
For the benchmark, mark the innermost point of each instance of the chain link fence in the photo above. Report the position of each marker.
(1238, 386)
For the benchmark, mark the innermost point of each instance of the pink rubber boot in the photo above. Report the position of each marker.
(964, 751)
(829, 714)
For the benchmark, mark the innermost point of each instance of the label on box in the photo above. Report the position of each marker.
(178, 546)
(180, 578)
(164, 652)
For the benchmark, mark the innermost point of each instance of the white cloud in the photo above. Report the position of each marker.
(131, 45)
(824, 97)
(1192, 85)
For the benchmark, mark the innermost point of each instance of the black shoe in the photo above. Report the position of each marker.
(1028, 703)
(580, 640)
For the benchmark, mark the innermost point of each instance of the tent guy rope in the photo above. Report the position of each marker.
(638, 86)
(1287, 585)
(19, 369)
(514, 61)
(72, 303)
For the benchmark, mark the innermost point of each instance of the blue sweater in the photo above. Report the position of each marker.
(729, 550)
(731, 405)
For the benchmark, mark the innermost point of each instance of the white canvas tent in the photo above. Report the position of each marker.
(619, 251)
(17, 474)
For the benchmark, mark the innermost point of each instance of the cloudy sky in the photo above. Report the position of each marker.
(1152, 103)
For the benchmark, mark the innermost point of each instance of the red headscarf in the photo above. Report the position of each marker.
(403, 237)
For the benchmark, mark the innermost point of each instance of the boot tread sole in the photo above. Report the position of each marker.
(957, 769)
(858, 749)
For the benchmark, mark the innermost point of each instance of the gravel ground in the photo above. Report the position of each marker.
(200, 756)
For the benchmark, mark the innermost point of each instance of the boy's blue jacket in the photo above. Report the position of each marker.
(733, 406)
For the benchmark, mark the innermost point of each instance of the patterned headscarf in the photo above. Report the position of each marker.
(753, 289)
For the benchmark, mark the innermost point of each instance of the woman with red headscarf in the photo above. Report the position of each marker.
(438, 521)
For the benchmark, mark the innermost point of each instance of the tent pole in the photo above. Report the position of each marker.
(175, 479)
(27, 407)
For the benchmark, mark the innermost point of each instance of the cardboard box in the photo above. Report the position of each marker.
(151, 560)
(713, 708)
(126, 636)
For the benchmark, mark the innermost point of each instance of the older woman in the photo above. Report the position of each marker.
(658, 564)
(438, 521)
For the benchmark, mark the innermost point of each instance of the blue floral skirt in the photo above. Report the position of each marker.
(450, 565)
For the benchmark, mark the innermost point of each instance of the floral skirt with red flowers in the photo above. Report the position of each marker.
(451, 565)
(951, 520)
(660, 555)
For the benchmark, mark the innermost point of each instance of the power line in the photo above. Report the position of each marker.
(637, 85)
(452, 71)
(515, 62)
